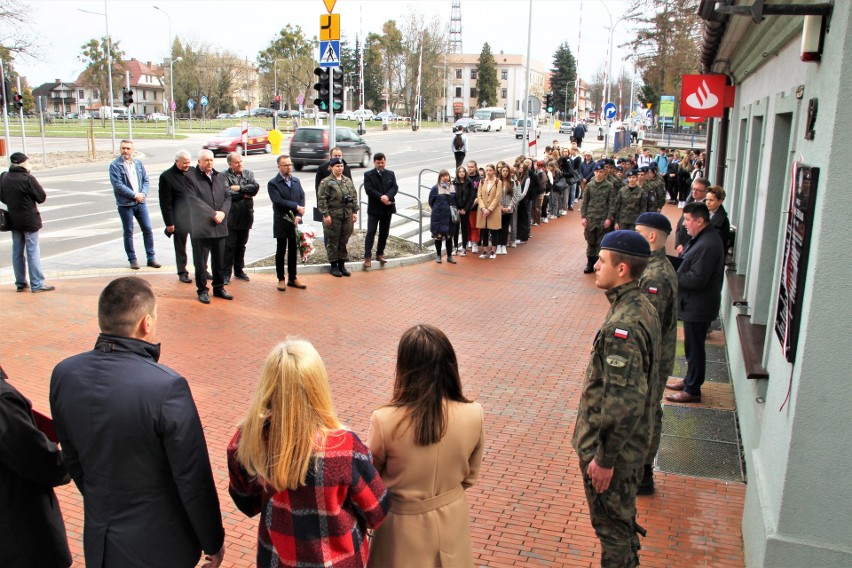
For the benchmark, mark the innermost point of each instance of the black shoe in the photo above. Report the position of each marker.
(44, 288)
(21, 287)
(646, 487)
(209, 276)
(242, 276)
(134, 265)
(204, 297)
(222, 293)
(590, 265)
(185, 278)
(335, 270)
(342, 266)
(154, 264)
(570, 208)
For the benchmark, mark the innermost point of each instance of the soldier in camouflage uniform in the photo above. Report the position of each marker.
(652, 179)
(630, 202)
(597, 203)
(613, 428)
(337, 200)
(612, 174)
(659, 284)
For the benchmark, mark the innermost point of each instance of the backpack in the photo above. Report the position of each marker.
(458, 143)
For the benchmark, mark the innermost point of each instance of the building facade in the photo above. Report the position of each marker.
(782, 155)
(60, 97)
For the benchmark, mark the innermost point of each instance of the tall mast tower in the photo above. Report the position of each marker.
(456, 28)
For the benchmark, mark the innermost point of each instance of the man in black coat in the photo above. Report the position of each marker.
(699, 279)
(209, 204)
(324, 170)
(381, 188)
(32, 532)
(174, 205)
(699, 194)
(578, 134)
(242, 187)
(288, 207)
(133, 442)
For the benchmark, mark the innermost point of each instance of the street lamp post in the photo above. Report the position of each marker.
(171, 70)
(609, 65)
(109, 69)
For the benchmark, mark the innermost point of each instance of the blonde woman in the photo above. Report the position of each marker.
(488, 218)
(311, 479)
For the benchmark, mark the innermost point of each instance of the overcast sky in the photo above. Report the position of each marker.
(247, 26)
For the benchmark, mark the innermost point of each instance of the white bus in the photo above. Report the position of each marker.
(490, 118)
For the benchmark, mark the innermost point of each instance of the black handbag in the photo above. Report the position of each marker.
(5, 222)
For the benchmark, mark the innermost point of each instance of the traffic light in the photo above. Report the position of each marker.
(548, 102)
(276, 104)
(127, 97)
(19, 101)
(337, 88)
(322, 88)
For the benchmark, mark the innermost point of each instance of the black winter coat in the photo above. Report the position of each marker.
(441, 223)
(375, 186)
(465, 195)
(174, 201)
(21, 192)
(132, 440)
(241, 215)
(205, 198)
(32, 532)
(699, 277)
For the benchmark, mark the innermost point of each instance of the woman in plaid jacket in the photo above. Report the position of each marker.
(311, 479)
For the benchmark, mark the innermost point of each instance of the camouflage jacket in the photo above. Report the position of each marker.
(597, 201)
(332, 197)
(629, 204)
(614, 420)
(616, 181)
(659, 284)
(660, 189)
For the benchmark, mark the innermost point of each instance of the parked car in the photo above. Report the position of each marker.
(566, 127)
(467, 124)
(345, 115)
(310, 145)
(222, 115)
(262, 112)
(240, 114)
(158, 117)
(381, 116)
(230, 140)
(364, 113)
(531, 127)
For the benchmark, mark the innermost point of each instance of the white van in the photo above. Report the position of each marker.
(110, 112)
(490, 118)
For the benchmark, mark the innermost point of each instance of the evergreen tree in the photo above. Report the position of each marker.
(562, 79)
(486, 78)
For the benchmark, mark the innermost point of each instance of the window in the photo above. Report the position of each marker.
(473, 92)
(503, 93)
(81, 94)
(504, 75)
(458, 73)
(55, 107)
(96, 94)
(144, 95)
(458, 92)
(473, 73)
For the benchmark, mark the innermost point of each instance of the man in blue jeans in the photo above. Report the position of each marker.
(130, 184)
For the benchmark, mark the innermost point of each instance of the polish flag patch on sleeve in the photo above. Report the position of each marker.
(620, 333)
(652, 290)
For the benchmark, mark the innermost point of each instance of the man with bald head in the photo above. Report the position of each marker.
(210, 203)
(174, 204)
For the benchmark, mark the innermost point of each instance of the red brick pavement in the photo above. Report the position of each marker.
(522, 326)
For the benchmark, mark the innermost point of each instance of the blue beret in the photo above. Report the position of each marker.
(653, 166)
(632, 173)
(626, 242)
(599, 166)
(619, 168)
(655, 221)
(643, 169)
(334, 162)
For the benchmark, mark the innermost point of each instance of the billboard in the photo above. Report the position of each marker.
(667, 106)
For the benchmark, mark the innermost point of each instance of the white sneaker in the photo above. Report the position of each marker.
(545, 220)
(517, 241)
(493, 256)
(483, 255)
(474, 248)
(515, 244)
(462, 252)
(680, 204)
(563, 212)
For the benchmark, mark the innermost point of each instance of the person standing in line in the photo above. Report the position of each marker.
(521, 215)
(133, 442)
(242, 188)
(459, 145)
(630, 202)
(718, 215)
(442, 197)
(311, 479)
(475, 177)
(697, 194)
(597, 212)
(324, 170)
(488, 217)
(578, 134)
(428, 426)
(613, 428)
(209, 205)
(174, 205)
(32, 532)
(130, 184)
(659, 284)
(288, 207)
(381, 189)
(337, 200)
(21, 192)
(465, 197)
(699, 279)
(587, 173)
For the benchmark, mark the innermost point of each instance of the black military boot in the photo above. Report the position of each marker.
(335, 269)
(342, 265)
(590, 265)
(646, 486)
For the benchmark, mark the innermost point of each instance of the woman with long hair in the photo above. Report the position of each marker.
(521, 217)
(294, 462)
(427, 445)
(465, 199)
(684, 180)
(442, 198)
(507, 207)
(488, 217)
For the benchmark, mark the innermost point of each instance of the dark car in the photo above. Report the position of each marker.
(467, 124)
(268, 112)
(230, 140)
(310, 146)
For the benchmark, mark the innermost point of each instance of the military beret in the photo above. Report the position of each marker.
(599, 166)
(633, 173)
(643, 169)
(626, 242)
(655, 221)
(619, 168)
(610, 162)
(334, 162)
(653, 166)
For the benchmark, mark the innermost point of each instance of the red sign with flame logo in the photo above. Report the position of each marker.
(702, 96)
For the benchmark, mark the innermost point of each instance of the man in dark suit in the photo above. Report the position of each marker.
(209, 204)
(381, 188)
(698, 193)
(288, 206)
(174, 206)
(32, 532)
(699, 280)
(242, 187)
(133, 442)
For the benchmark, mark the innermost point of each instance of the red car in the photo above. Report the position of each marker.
(230, 140)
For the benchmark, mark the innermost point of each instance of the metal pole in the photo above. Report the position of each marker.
(109, 67)
(524, 141)
(171, 69)
(129, 111)
(608, 80)
(577, 77)
(41, 121)
(332, 135)
(21, 113)
(5, 106)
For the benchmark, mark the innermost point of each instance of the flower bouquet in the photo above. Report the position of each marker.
(304, 238)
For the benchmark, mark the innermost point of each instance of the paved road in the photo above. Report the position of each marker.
(82, 231)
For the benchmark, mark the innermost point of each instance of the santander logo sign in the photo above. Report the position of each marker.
(702, 95)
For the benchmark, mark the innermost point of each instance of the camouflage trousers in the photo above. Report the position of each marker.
(657, 389)
(338, 237)
(613, 516)
(594, 234)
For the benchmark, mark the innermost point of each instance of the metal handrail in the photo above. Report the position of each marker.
(418, 219)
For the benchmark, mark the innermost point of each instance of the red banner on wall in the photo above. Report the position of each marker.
(703, 95)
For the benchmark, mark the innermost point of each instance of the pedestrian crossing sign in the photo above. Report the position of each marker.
(329, 53)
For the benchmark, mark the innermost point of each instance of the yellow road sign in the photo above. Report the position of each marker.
(329, 5)
(329, 27)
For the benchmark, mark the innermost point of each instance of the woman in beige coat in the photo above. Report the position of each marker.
(488, 216)
(427, 446)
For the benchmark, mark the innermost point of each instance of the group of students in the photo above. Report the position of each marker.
(487, 210)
